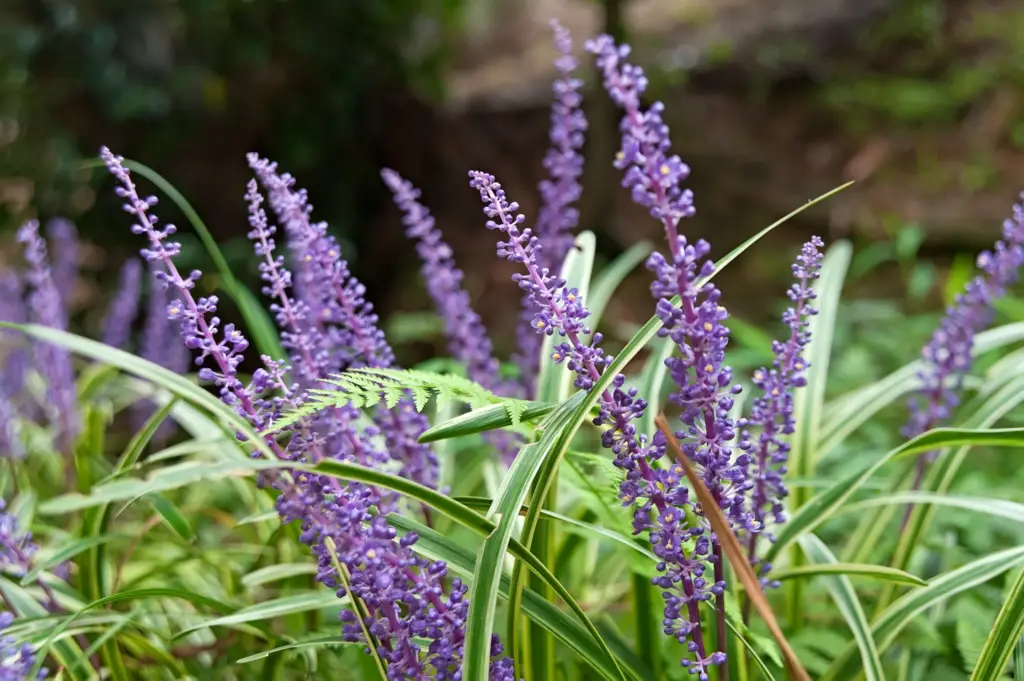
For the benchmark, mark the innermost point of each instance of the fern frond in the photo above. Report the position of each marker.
(366, 387)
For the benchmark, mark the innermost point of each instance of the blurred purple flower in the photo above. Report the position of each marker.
(772, 410)
(659, 495)
(117, 325)
(64, 238)
(11, 446)
(44, 302)
(13, 352)
(947, 357)
(557, 217)
(467, 338)
(16, 660)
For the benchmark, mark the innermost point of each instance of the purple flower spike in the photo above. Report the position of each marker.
(337, 300)
(559, 192)
(16, 660)
(117, 326)
(55, 363)
(653, 176)
(659, 495)
(772, 411)
(467, 338)
(64, 237)
(947, 357)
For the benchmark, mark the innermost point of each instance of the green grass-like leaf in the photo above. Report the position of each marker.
(1004, 637)
(845, 598)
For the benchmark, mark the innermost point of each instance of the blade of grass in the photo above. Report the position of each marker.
(941, 475)
(879, 572)
(487, 574)
(491, 417)
(845, 598)
(827, 503)
(1004, 637)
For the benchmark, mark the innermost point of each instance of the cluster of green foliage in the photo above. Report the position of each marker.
(74, 71)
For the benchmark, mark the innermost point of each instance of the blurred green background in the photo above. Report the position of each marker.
(770, 103)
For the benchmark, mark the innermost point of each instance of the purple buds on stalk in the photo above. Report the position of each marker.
(772, 410)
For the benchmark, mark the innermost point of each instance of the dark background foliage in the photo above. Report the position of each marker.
(772, 103)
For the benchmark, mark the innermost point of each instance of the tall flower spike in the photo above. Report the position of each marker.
(403, 592)
(53, 362)
(64, 237)
(559, 191)
(653, 176)
(467, 338)
(772, 410)
(947, 357)
(659, 496)
(347, 321)
(117, 326)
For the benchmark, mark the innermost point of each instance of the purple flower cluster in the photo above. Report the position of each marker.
(16, 547)
(772, 410)
(117, 325)
(947, 356)
(467, 338)
(64, 237)
(336, 299)
(47, 308)
(659, 495)
(559, 192)
(404, 594)
(16, 660)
